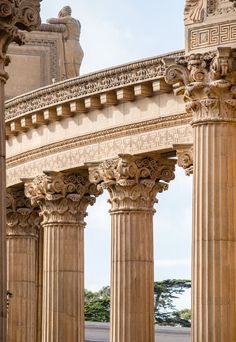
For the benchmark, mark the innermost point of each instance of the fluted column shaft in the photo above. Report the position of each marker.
(63, 282)
(208, 83)
(214, 233)
(132, 291)
(22, 248)
(22, 313)
(132, 183)
(63, 200)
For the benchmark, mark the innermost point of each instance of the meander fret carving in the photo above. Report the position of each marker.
(83, 86)
(133, 182)
(193, 11)
(207, 83)
(212, 35)
(62, 198)
(22, 219)
(15, 15)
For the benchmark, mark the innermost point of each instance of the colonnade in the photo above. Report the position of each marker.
(45, 242)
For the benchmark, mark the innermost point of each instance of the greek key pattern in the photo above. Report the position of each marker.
(215, 35)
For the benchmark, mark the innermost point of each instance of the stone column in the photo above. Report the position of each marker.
(132, 183)
(63, 200)
(208, 83)
(23, 223)
(13, 15)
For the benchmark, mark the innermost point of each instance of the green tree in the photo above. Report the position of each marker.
(165, 292)
(97, 305)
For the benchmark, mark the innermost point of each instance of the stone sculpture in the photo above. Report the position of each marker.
(193, 11)
(71, 28)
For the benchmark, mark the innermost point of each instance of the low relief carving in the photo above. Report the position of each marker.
(194, 11)
(62, 198)
(133, 182)
(220, 7)
(22, 218)
(87, 85)
(207, 83)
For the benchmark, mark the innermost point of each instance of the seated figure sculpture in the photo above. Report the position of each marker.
(70, 27)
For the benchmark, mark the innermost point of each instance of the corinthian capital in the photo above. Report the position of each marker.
(16, 15)
(185, 157)
(22, 219)
(62, 198)
(207, 83)
(133, 182)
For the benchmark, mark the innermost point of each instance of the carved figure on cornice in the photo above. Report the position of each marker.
(61, 195)
(71, 28)
(207, 83)
(133, 181)
(193, 11)
(22, 218)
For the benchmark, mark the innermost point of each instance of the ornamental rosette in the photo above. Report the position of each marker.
(207, 83)
(133, 182)
(22, 218)
(62, 197)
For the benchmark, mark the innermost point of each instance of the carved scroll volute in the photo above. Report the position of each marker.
(133, 182)
(16, 15)
(208, 84)
(61, 197)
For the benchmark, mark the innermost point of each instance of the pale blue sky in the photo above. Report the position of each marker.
(116, 32)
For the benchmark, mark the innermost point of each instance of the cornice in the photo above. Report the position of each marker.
(88, 92)
(98, 137)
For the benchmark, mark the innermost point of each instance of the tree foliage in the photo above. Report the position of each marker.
(165, 312)
(97, 304)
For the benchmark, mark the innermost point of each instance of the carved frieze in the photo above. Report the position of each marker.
(133, 182)
(62, 198)
(22, 219)
(207, 83)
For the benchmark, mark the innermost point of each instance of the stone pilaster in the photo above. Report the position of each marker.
(207, 83)
(14, 14)
(22, 244)
(63, 200)
(132, 183)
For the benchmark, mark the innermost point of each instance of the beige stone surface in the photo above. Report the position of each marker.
(63, 200)
(36, 64)
(209, 91)
(133, 184)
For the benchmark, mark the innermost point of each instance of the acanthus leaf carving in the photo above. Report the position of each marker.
(210, 85)
(133, 182)
(62, 197)
(22, 218)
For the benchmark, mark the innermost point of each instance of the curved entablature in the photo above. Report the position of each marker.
(127, 109)
(85, 93)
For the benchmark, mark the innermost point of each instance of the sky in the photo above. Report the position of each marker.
(113, 33)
